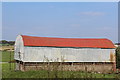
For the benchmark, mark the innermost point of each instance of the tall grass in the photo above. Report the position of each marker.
(6, 56)
(6, 73)
(54, 70)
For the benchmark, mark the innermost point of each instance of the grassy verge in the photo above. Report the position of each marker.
(6, 56)
(7, 73)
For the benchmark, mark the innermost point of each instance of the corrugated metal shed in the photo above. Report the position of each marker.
(37, 49)
(67, 42)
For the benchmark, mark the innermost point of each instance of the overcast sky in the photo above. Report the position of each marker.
(61, 19)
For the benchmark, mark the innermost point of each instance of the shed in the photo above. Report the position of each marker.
(36, 50)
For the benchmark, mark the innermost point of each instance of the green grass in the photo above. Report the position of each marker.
(4, 44)
(6, 56)
(7, 73)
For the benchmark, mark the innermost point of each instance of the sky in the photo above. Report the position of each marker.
(60, 19)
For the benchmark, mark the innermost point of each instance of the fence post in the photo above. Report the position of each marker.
(114, 64)
(10, 61)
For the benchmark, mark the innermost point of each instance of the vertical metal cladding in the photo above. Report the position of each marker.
(52, 54)
(19, 49)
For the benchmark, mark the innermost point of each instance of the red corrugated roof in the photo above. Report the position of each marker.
(67, 42)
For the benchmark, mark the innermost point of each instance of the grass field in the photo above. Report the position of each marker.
(3, 47)
(6, 56)
(7, 73)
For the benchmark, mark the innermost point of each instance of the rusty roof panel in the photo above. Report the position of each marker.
(67, 42)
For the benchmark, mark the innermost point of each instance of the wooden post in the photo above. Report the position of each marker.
(72, 69)
(23, 66)
(72, 63)
(114, 64)
(10, 61)
(103, 66)
(19, 65)
(36, 66)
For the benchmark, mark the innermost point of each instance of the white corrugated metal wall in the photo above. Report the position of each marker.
(19, 48)
(51, 54)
